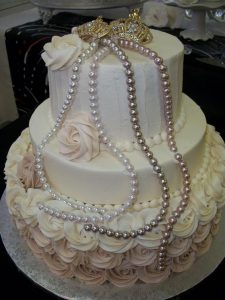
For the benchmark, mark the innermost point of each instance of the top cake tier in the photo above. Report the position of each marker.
(112, 91)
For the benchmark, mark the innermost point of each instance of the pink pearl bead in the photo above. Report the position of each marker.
(178, 156)
(161, 259)
(170, 123)
(180, 209)
(166, 91)
(134, 119)
(165, 188)
(165, 83)
(145, 148)
(162, 68)
(131, 97)
(165, 204)
(169, 227)
(152, 54)
(176, 214)
(185, 197)
(169, 129)
(141, 49)
(172, 220)
(182, 163)
(162, 254)
(131, 44)
(136, 127)
(138, 134)
(172, 143)
(162, 249)
(158, 60)
(149, 154)
(130, 81)
(146, 51)
(183, 203)
(173, 148)
(153, 161)
(132, 104)
(164, 76)
(168, 100)
(168, 107)
(163, 211)
(163, 181)
(164, 242)
(170, 137)
(187, 189)
(161, 268)
(169, 115)
(126, 43)
(186, 176)
(166, 196)
(159, 218)
(129, 72)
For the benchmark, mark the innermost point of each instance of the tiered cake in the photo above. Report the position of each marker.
(96, 186)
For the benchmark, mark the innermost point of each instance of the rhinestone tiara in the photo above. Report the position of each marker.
(130, 28)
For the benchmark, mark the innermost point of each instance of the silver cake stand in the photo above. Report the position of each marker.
(197, 11)
(72, 289)
(46, 7)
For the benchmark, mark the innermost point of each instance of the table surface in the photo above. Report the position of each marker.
(205, 85)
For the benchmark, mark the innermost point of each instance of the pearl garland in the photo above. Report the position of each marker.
(104, 215)
(166, 234)
(73, 85)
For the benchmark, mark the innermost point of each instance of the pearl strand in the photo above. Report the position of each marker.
(168, 112)
(96, 116)
(99, 125)
(171, 143)
(105, 215)
(73, 85)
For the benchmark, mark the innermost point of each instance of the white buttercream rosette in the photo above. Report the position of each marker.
(61, 52)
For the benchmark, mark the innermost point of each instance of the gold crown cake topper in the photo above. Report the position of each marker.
(130, 28)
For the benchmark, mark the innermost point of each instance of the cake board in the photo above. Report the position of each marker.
(71, 289)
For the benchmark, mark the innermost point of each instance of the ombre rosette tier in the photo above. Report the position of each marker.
(132, 178)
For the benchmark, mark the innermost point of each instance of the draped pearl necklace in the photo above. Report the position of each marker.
(99, 50)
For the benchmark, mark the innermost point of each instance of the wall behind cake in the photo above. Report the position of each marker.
(4, 4)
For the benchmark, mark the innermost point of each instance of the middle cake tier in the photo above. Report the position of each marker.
(103, 180)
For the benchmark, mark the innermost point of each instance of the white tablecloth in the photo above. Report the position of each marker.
(8, 111)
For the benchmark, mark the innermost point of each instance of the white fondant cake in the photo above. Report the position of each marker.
(90, 179)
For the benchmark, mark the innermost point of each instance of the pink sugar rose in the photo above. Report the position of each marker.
(26, 172)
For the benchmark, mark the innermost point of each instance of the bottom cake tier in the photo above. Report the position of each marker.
(69, 251)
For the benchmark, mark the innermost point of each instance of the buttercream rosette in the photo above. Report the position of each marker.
(69, 251)
(61, 52)
(78, 138)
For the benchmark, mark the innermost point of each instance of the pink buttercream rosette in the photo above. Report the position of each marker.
(78, 138)
(26, 171)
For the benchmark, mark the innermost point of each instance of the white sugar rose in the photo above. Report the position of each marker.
(156, 15)
(78, 138)
(61, 52)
